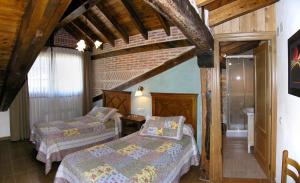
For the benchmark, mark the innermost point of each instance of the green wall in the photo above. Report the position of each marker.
(184, 78)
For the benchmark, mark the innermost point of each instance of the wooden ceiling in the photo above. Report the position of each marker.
(10, 20)
(109, 20)
(235, 48)
(221, 11)
(26, 25)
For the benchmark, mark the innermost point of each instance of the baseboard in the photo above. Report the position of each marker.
(4, 138)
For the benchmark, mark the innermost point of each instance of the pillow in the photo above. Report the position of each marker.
(102, 113)
(166, 127)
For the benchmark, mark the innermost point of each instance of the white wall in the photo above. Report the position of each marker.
(288, 122)
(4, 124)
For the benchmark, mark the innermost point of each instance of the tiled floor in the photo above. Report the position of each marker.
(18, 165)
(237, 162)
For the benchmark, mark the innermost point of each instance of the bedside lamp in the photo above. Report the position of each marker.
(139, 91)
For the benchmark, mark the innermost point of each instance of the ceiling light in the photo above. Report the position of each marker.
(97, 44)
(238, 78)
(81, 45)
(229, 63)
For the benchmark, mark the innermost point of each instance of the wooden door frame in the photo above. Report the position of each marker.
(216, 164)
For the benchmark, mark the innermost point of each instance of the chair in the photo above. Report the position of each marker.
(286, 161)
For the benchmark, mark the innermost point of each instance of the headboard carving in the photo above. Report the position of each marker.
(120, 100)
(176, 104)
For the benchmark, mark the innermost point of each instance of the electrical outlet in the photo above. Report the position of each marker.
(280, 120)
(141, 110)
(281, 27)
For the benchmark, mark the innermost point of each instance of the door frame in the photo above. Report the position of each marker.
(216, 160)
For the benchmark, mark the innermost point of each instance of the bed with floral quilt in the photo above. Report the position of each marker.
(54, 140)
(133, 158)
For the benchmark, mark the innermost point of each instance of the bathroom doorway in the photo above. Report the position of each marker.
(265, 109)
(241, 153)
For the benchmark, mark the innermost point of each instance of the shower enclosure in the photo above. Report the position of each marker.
(240, 90)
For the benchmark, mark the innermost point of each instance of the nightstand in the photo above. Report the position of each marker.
(131, 123)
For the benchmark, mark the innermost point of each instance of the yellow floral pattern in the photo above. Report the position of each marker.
(147, 174)
(174, 125)
(128, 150)
(164, 147)
(159, 132)
(97, 173)
(93, 148)
(71, 132)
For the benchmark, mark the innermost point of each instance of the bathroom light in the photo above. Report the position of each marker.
(97, 44)
(139, 91)
(238, 78)
(81, 45)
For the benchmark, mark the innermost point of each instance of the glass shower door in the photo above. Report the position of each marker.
(239, 90)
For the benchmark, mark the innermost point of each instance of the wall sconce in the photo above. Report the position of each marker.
(139, 91)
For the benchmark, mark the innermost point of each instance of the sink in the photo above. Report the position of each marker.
(248, 110)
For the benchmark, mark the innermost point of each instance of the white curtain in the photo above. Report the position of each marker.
(55, 84)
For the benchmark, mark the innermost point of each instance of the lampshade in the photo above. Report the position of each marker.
(97, 44)
(139, 91)
(81, 45)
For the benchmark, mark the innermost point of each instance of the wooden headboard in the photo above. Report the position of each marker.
(120, 100)
(176, 104)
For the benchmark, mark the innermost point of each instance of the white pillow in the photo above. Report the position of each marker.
(102, 113)
(166, 127)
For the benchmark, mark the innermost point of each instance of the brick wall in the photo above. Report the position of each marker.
(108, 73)
(63, 39)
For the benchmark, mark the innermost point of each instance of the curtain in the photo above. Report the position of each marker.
(56, 85)
(19, 115)
(87, 99)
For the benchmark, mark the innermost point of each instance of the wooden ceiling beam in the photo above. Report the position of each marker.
(83, 35)
(75, 34)
(114, 22)
(82, 25)
(186, 18)
(38, 23)
(144, 48)
(100, 26)
(235, 9)
(78, 11)
(203, 2)
(164, 23)
(129, 6)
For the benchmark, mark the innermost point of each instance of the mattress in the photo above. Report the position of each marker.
(54, 140)
(133, 158)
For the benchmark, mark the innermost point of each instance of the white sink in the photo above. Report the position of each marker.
(248, 110)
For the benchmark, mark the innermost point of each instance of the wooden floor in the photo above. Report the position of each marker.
(18, 165)
(237, 162)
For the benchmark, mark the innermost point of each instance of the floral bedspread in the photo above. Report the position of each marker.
(54, 140)
(133, 158)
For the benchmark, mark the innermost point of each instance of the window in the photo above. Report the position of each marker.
(55, 84)
(56, 72)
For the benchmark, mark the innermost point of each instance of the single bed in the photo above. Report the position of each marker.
(54, 140)
(136, 158)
